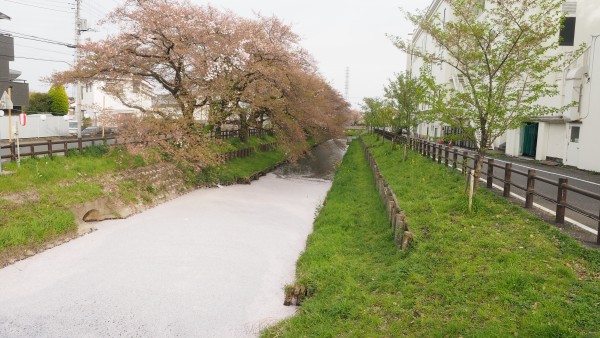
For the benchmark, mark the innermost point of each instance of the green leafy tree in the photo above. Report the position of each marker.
(60, 100)
(501, 55)
(405, 93)
(39, 103)
(377, 113)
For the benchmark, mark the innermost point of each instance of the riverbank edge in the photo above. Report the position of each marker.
(108, 207)
(440, 287)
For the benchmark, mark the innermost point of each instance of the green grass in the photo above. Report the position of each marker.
(34, 201)
(239, 169)
(234, 143)
(44, 171)
(354, 132)
(494, 272)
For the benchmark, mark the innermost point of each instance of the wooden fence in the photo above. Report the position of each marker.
(63, 146)
(402, 235)
(449, 156)
(240, 153)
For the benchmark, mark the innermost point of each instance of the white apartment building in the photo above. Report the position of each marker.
(569, 138)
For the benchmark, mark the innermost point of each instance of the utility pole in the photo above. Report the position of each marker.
(78, 85)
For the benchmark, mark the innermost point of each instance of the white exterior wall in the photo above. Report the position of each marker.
(94, 99)
(589, 137)
(551, 142)
(582, 76)
(441, 72)
(36, 127)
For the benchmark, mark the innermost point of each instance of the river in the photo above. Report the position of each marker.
(211, 263)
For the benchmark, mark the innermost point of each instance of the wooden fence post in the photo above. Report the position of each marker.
(13, 151)
(433, 151)
(490, 174)
(507, 177)
(50, 148)
(66, 147)
(440, 154)
(530, 188)
(561, 200)
(454, 158)
(80, 145)
(465, 162)
(446, 153)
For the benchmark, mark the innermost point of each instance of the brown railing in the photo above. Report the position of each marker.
(49, 147)
(450, 157)
(63, 146)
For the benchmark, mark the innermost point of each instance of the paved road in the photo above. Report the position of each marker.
(212, 263)
(576, 178)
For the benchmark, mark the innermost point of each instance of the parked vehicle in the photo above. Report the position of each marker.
(97, 131)
(91, 131)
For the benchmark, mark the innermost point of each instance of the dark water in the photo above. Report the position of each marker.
(320, 163)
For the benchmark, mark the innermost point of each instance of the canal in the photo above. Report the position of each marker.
(213, 262)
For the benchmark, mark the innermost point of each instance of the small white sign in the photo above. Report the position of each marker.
(5, 101)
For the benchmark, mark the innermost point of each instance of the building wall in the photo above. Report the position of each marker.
(20, 89)
(579, 82)
(35, 127)
(589, 139)
(95, 99)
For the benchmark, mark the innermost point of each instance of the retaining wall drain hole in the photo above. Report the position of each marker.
(92, 216)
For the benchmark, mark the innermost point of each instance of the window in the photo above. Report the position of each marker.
(575, 134)
(567, 29)
(567, 32)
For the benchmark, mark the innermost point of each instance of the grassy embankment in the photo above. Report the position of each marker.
(35, 201)
(494, 272)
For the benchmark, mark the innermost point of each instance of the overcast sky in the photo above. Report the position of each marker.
(339, 34)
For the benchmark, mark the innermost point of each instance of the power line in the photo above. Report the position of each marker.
(33, 47)
(43, 49)
(36, 38)
(32, 58)
(30, 5)
(39, 59)
(54, 3)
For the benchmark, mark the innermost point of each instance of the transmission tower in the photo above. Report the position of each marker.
(347, 85)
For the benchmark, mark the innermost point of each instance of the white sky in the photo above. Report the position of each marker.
(337, 33)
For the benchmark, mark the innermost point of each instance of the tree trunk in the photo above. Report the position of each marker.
(478, 167)
(243, 132)
(407, 143)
